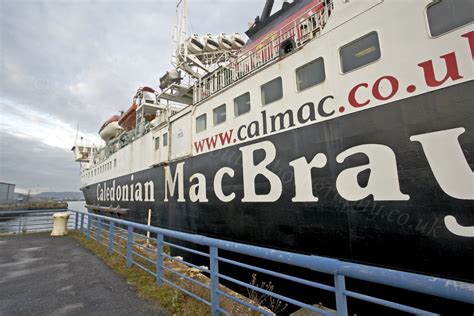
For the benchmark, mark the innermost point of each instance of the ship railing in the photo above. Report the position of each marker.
(154, 250)
(30, 221)
(289, 38)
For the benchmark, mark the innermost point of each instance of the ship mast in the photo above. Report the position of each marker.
(180, 33)
(195, 57)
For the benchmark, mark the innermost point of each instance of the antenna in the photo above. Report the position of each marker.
(77, 133)
(179, 36)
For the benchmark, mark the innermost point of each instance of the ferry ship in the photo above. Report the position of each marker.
(340, 128)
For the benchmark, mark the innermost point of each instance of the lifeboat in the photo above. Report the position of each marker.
(225, 42)
(210, 43)
(110, 129)
(237, 41)
(195, 44)
(128, 120)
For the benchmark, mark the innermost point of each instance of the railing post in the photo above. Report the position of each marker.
(159, 259)
(82, 223)
(88, 227)
(129, 246)
(341, 300)
(76, 221)
(98, 233)
(111, 237)
(19, 224)
(214, 263)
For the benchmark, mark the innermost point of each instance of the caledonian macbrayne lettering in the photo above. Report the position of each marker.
(440, 148)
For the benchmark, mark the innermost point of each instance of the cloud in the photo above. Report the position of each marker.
(68, 63)
(34, 165)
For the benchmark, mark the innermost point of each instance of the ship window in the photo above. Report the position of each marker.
(242, 104)
(360, 52)
(115, 163)
(157, 143)
(165, 139)
(446, 15)
(272, 91)
(201, 123)
(310, 74)
(219, 114)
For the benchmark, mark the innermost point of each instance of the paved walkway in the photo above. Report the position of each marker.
(42, 275)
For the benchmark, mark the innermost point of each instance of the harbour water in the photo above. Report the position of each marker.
(77, 205)
(40, 221)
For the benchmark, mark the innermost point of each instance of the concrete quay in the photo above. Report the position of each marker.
(44, 275)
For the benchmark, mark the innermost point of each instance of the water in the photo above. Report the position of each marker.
(77, 206)
(41, 221)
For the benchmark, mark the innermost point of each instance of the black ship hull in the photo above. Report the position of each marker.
(407, 233)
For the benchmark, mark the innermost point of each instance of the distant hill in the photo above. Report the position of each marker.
(60, 196)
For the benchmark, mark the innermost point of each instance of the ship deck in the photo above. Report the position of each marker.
(39, 277)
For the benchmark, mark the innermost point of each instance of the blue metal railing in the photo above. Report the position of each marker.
(100, 227)
(29, 221)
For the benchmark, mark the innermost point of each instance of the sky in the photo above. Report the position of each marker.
(66, 64)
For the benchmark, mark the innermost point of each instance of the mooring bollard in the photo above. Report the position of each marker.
(60, 224)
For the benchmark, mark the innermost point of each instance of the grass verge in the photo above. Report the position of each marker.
(166, 296)
(173, 300)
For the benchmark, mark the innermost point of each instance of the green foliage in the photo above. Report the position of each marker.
(166, 296)
(173, 300)
(273, 304)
